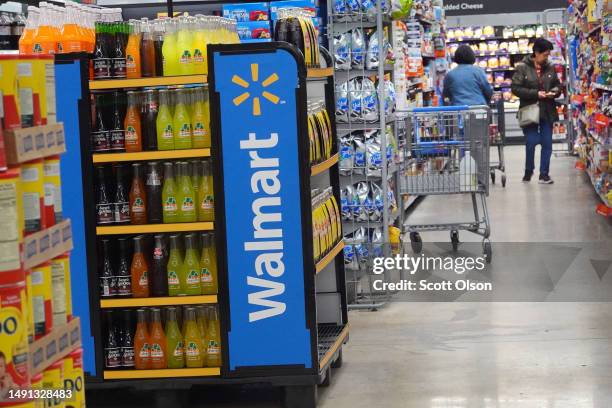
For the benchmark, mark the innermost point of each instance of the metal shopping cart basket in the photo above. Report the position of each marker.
(448, 151)
(497, 138)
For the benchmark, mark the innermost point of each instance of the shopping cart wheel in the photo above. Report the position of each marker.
(503, 180)
(493, 176)
(416, 242)
(455, 240)
(487, 251)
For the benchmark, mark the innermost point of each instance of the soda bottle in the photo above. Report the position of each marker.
(100, 136)
(157, 340)
(124, 276)
(206, 195)
(159, 262)
(208, 265)
(126, 341)
(199, 45)
(108, 279)
(169, 196)
(142, 347)
(200, 119)
(174, 268)
(138, 197)
(44, 38)
(70, 38)
(101, 57)
(121, 205)
(139, 270)
(117, 136)
(181, 121)
(183, 46)
(191, 268)
(147, 49)
(119, 64)
(26, 41)
(112, 352)
(104, 208)
(149, 120)
(133, 130)
(132, 51)
(185, 195)
(158, 42)
(213, 340)
(169, 49)
(194, 352)
(164, 125)
(174, 340)
(153, 188)
(202, 321)
(195, 171)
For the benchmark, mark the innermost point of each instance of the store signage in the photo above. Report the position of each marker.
(468, 7)
(262, 203)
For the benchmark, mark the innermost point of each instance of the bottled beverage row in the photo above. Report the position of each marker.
(320, 133)
(183, 192)
(161, 47)
(172, 337)
(158, 265)
(165, 119)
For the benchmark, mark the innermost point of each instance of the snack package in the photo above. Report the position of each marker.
(342, 102)
(378, 204)
(504, 61)
(508, 32)
(350, 257)
(370, 100)
(346, 199)
(401, 8)
(339, 7)
(482, 47)
(342, 55)
(488, 31)
(389, 97)
(353, 6)
(347, 155)
(499, 78)
(357, 48)
(355, 99)
(360, 153)
(503, 46)
(376, 239)
(373, 153)
(492, 46)
(362, 191)
(360, 240)
(373, 50)
(493, 62)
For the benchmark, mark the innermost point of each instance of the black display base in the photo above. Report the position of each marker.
(300, 396)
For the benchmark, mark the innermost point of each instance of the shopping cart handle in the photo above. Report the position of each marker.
(441, 109)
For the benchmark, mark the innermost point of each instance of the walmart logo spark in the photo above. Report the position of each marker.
(246, 95)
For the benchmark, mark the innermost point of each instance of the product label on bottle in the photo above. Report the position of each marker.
(192, 350)
(108, 286)
(119, 67)
(138, 207)
(178, 350)
(199, 130)
(127, 356)
(101, 141)
(105, 213)
(168, 133)
(208, 203)
(198, 57)
(185, 131)
(130, 135)
(156, 351)
(185, 57)
(173, 278)
(144, 279)
(213, 348)
(153, 179)
(170, 204)
(102, 68)
(122, 211)
(145, 351)
(112, 357)
(193, 277)
(124, 285)
(206, 275)
(187, 204)
(117, 139)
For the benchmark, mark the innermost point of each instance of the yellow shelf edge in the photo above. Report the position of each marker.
(154, 228)
(321, 167)
(158, 301)
(144, 82)
(165, 373)
(327, 259)
(332, 350)
(155, 155)
(320, 72)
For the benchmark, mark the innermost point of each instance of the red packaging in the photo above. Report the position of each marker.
(3, 165)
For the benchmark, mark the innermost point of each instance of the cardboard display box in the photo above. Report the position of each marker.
(45, 245)
(56, 345)
(22, 145)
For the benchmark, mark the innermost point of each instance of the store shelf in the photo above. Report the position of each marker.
(54, 346)
(145, 82)
(321, 167)
(156, 155)
(320, 72)
(462, 40)
(327, 259)
(331, 338)
(158, 301)
(155, 228)
(167, 373)
(499, 53)
(499, 69)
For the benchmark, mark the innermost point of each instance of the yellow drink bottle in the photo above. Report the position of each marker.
(164, 122)
(194, 350)
(181, 121)
(185, 195)
(208, 265)
(174, 341)
(206, 195)
(213, 340)
(183, 47)
(175, 268)
(200, 118)
(170, 57)
(191, 268)
(169, 195)
(200, 63)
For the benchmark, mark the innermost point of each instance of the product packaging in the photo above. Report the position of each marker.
(247, 12)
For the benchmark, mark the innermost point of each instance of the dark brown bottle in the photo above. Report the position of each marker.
(148, 120)
(121, 204)
(153, 187)
(158, 276)
(112, 351)
(117, 133)
(126, 340)
(118, 66)
(108, 279)
(104, 207)
(124, 277)
(101, 56)
(100, 136)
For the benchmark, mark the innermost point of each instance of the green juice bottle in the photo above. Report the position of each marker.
(164, 124)
(175, 268)
(185, 196)
(191, 268)
(208, 265)
(181, 122)
(213, 340)
(206, 196)
(202, 320)
(195, 170)
(200, 120)
(174, 341)
(170, 207)
(194, 350)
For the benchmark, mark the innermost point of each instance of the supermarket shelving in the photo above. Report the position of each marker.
(331, 338)
(154, 228)
(320, 72)
(480, 39)
(327, 164)
(147, 82)
(166, 373)
(151, 155)
(158, 301)
(329, 258)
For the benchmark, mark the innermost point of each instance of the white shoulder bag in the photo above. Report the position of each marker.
(529, 115)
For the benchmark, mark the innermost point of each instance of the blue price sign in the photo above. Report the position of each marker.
(259, 136)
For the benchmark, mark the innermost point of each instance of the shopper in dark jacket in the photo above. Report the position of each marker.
(467, 84)
(536, 81)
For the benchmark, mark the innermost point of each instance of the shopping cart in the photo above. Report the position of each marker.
(497, 138)
(448, 149)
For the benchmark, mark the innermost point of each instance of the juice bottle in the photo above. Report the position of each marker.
(70, 38)
(164, 125)
(138, 198)
(139, 270)
(118, 65)
(142, 348)
(159, 262)
(202, 320)
(169, 195)
(147, 49)
(174, 341)
(200, 118)
(101, 56)
(208, 265)
(133, 131)
(44, 38)
(153, 185)
(213, 340)
(191, 268)
(174, 268)
(132, 51)
(181, 121)
(194, 351)
(150, 110)
(158, 43)
(157, 340)
(206, 196)
(195, 171)
(26, 41)
(199, 46)
(183, 47)
(185, 196)
(169, 53)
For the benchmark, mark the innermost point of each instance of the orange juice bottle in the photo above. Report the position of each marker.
(157, 340)
(142, 348)
(27, 37)
(132, 50)
(71, 37)
(139, 270)
(133, 130)
(57, 17)
(45, 41)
